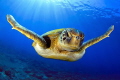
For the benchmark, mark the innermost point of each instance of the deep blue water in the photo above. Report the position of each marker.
(100, 62)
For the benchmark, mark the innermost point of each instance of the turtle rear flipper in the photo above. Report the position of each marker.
(28, 33)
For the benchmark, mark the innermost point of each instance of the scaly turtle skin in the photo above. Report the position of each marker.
(63, 44)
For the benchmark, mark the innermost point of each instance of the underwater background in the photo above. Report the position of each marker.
(19, 60)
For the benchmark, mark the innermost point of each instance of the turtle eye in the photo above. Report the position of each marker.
(82, 36)
(77, 37)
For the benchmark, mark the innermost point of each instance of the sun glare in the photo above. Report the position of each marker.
(54, 0)
(42, 9)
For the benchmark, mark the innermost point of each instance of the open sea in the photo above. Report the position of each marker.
(19, 60)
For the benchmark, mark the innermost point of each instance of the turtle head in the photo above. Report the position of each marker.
(71, 39)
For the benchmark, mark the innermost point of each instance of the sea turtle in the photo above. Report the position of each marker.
(63, 44)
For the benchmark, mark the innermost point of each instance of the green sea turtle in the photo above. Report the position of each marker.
(63, 44)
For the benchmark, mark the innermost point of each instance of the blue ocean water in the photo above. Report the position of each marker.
(18, 59)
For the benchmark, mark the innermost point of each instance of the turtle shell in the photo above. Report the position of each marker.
(51, 36)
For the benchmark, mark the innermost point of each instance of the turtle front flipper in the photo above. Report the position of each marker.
(30, 34)
(96, 40)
